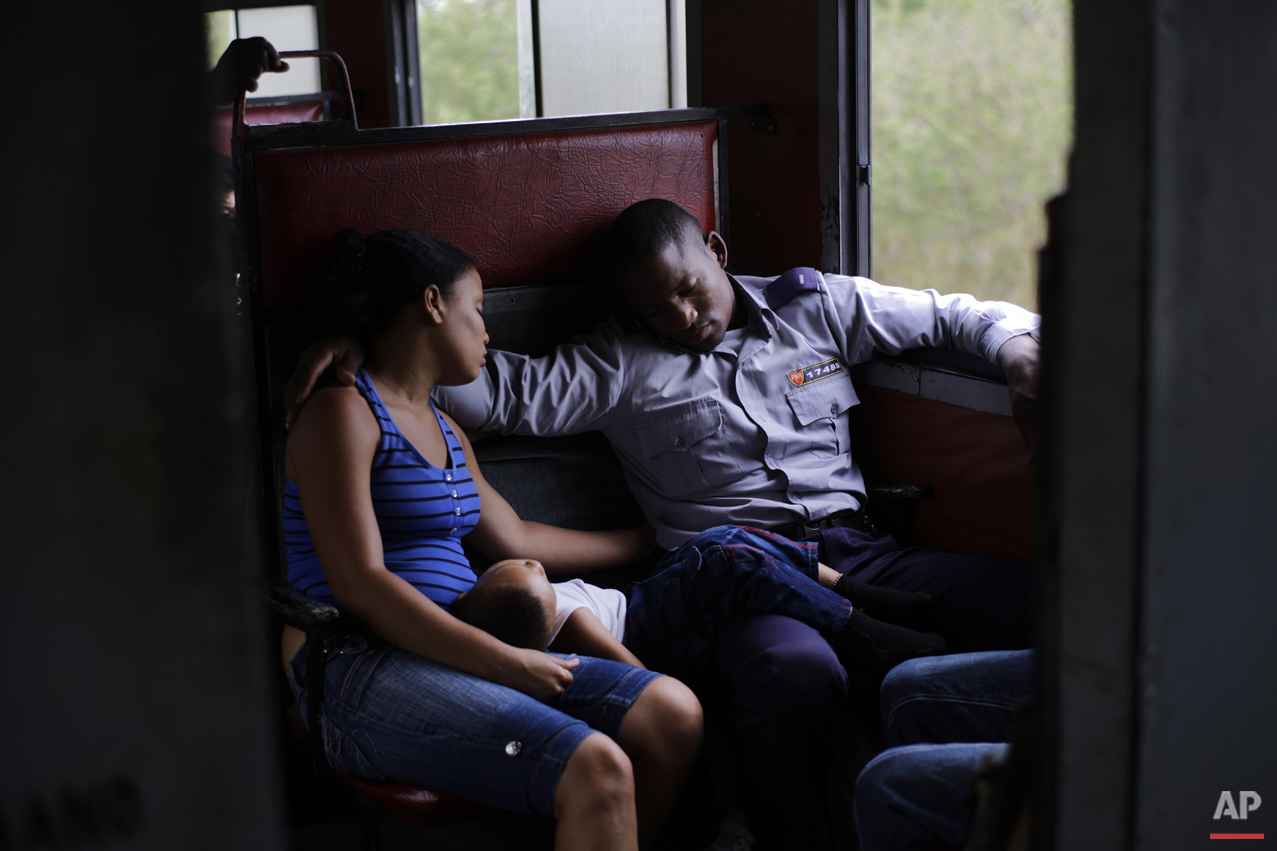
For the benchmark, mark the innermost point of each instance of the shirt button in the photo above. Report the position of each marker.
(447, 477)
(680, 443)
(833, 409)
(454, 494)
(513, 748)
(458, 512)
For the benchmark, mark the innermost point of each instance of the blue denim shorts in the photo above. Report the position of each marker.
(392, 715)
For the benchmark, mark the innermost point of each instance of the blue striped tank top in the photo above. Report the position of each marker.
(422, 511)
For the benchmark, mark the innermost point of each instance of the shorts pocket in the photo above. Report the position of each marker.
(688, 448)
(821, 409)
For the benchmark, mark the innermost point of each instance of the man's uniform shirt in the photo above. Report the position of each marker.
(754, 432)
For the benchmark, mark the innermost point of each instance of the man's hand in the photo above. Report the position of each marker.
(243, 63)
(1018, 358)
(343, 354)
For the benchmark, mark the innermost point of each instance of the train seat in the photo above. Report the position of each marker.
(529, 200)
(267, 111)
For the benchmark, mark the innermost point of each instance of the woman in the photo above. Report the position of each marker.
(381, 487)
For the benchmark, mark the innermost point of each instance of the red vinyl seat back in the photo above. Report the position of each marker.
(284, 113)
(527, 206)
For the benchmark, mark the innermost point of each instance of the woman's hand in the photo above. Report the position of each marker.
(536, 674)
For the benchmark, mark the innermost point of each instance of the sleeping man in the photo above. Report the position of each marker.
(730, 408)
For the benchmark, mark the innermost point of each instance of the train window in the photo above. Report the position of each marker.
(470, 68)
(603, 57)
(971, 121)
(286, 27)
(493, 59)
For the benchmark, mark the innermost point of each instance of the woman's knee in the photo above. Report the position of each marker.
(666, 716)
(597, 776)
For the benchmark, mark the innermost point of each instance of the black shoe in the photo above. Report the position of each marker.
(908, 608)
(870, 646)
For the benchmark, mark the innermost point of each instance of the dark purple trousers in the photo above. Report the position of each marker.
(787, 687)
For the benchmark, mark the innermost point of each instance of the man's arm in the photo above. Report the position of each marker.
(343, 354)
(584, 634)
(573, 389)
(872, 318)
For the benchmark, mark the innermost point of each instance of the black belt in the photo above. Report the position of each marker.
(849, 519)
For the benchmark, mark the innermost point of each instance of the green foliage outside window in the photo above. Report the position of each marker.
(469, 60)
(219, 29)
(972, 120)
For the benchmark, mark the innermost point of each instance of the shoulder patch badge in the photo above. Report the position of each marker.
(808, 374)
(786, 288)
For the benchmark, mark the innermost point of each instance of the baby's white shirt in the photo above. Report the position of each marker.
(607, 604)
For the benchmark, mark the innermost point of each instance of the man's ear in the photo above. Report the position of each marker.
(432, 301)
(717, 247)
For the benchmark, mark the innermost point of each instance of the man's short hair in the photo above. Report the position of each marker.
(507, 611)
(644, 230)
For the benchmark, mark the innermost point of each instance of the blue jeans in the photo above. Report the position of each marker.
(944, 717)
(918, 797)
(964, 697)
(787, 687)
(393, 715)
(675, 617)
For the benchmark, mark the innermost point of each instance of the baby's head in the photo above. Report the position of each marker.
(512, 601)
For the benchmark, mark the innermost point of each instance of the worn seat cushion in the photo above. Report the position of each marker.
(416, 804)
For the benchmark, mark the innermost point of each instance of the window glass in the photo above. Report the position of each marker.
(971, 125)
(220, 28)
(469, 61)
(603, 56)
(286, 27)
(478, 61)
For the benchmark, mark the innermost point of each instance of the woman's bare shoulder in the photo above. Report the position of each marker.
(334, 414)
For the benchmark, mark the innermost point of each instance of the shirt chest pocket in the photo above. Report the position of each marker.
(687, 449)
(821, 410)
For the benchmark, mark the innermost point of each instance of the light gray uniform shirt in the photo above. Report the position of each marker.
(752, 433)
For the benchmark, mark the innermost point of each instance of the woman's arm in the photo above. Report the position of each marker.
(502, 534)
(585, 634)
(329, 456)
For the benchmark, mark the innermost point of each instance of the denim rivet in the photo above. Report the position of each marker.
(680, 443)
(513, 748)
